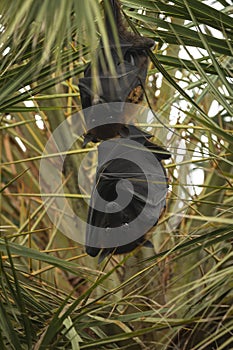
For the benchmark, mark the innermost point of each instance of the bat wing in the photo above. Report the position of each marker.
(116, 232)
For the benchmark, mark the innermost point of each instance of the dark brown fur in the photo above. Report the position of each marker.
(124, 33)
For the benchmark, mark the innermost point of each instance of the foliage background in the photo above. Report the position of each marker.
(53, 296)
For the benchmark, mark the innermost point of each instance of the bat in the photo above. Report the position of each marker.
(130, 62)
(116, 204)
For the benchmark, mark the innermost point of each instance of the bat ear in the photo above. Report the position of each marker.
(88, 138)
(148, 244)
(104, 253)
(92, 251)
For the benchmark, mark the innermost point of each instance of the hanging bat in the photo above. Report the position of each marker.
(120, 211)
(121, 82)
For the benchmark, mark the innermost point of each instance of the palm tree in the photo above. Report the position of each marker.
(178, 296)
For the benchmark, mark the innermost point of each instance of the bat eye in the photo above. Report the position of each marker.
(132, 61)
(126, 225)
(130, 58)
